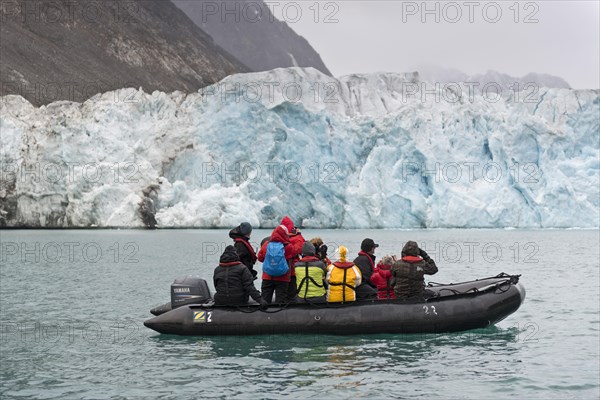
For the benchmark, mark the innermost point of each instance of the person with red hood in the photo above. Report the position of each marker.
(408, 273)
(297, 242)
(279, 284)
(382, 278)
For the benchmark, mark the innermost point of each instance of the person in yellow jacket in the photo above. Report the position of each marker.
(342, 279)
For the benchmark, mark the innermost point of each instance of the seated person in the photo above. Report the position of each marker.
(408, 273)
(382, 278)
(310, 274)
(234, 281)
(366, 263)
(320, 249)
(342, 279)
(241, 238)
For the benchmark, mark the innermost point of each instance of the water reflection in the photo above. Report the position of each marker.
(343, 350)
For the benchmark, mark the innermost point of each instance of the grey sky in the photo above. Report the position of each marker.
(372, 36)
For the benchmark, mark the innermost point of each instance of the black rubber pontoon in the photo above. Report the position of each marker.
(455, 307)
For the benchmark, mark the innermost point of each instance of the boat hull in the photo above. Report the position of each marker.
(453, 310)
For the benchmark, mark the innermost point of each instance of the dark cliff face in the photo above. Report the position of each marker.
(71, 50)
(248, 30)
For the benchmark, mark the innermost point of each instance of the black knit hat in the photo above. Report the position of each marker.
(308, 249)
(245, 228)
(229, 255)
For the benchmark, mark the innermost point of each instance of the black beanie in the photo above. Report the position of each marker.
(229, 255)
(308, 249)
(245, 228)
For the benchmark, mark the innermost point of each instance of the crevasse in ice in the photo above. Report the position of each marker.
(366, 150)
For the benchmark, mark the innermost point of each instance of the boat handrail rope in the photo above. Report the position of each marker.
(514, 279)
(474, 290)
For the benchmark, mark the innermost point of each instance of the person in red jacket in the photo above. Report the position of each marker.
(279, 284)
(382, 278)
(297, 242)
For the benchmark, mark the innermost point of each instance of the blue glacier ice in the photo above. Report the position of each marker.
(366, 150)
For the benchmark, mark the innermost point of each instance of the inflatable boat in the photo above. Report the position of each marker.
(453, 307)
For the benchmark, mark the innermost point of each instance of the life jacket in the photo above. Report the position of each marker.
(310, 272)
(250, 249)
(369, 257)
(343, 278)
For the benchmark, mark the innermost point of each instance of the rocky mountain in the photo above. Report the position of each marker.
(65, 50)
(249, 30)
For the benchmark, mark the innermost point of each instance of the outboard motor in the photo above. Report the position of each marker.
(189, 290)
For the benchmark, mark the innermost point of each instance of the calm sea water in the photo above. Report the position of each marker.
(72, 304)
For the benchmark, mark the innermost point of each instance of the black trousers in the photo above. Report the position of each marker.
(280, 289)
(292, 290)
(365, 291)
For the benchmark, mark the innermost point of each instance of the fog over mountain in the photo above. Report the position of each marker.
(437, 74)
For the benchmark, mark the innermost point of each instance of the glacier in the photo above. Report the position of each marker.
(383, 150)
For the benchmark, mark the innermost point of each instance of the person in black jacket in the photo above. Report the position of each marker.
(366, 263)
(233, 281)
(409, 273)
(241, 239)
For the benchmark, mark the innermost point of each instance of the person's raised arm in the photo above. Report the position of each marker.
(262, 252)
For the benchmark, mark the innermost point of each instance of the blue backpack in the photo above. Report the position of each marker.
(275, 263)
